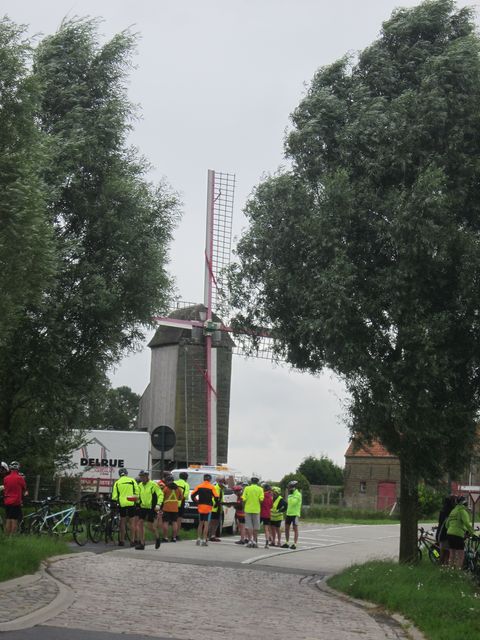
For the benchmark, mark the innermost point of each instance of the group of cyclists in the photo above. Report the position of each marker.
(159, 505)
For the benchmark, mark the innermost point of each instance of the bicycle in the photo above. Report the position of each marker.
(106, 526)
(428, 542)
(471, 560)
(62, 522)
(44, 508)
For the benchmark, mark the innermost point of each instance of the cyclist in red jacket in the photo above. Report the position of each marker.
(14, 488)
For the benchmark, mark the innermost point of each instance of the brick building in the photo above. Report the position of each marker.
(372, 477)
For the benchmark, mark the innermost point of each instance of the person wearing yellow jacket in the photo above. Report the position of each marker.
(294, 509)
(125, 493)
(150, 503)
(458, 525)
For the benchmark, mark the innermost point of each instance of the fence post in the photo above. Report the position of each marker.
(36, 491)
(58, 485)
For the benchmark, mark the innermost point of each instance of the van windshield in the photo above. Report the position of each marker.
(194, 478)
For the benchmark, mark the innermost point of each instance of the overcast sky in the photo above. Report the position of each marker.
(216, 81)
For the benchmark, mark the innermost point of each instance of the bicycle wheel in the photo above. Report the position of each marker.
(114, 528)
(79, 530)
(37, 526)
(97, 529)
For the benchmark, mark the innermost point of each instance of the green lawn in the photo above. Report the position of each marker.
(20, 555)
(443, 604)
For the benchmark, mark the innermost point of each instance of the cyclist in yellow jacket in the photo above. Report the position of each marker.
(150, 503)
(294, 508)
(126, 493)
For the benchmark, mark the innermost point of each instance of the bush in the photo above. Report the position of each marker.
(429, 501)
(303, 485)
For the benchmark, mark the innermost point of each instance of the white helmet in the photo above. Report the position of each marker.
(4, 466)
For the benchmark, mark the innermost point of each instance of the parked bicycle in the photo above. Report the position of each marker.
(61, 522)
(44, 507)
(471, 560)
(106, 524)
(427, 543)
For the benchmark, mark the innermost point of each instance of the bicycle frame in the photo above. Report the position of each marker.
(65, 520)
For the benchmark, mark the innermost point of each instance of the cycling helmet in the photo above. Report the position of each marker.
(123, 472)
(183, 475)
(254, 479)
(14, 465)
(4, 466)
(461, 500)
(207, 476)
(292, 483)
(276, 489)
(266, 487)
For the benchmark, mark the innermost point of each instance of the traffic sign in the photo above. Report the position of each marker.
(163, 438)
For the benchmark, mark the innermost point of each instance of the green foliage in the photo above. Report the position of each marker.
(365, 256)
(321, 471)
(303, 486)
(108, 234)
(430, 500)
(113, 408)
(442, 604)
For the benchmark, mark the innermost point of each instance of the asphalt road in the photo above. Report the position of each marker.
(223, 590)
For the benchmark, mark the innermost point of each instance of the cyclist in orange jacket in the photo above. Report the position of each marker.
(204, 496)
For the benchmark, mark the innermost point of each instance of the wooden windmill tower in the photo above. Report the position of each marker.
(189, 387)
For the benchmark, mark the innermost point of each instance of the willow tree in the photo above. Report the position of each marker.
(365, 256)
(111, 230)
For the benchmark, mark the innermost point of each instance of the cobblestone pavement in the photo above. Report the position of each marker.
(127, 595)
(20, 599)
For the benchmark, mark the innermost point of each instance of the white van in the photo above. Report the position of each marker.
(195, 477)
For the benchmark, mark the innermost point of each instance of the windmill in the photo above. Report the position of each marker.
(200, 320)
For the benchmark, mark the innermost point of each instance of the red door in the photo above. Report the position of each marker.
(386, 495)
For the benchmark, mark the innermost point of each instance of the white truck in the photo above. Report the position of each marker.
(104, 453)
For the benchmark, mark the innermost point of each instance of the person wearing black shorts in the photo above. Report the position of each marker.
(149, 505)
(14, 488)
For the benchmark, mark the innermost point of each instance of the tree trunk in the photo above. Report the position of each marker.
(408, 513)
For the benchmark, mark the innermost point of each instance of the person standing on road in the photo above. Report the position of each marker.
(185, 487)
(294, 509)
(240, 514)
(217, 511)
(172, 497)
(252, 498)
(126, 493)
(458, 524)
(150, 503)
(279, 507)
(265, 513)
(14, 489)
(204, 496)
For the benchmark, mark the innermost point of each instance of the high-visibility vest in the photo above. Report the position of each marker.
(122, 489)
(150, 494)
(217, 502)
(171, 496)
(185, 487)
(275, 514)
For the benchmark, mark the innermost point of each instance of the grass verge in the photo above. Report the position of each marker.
(20, 555)
(443, 604)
